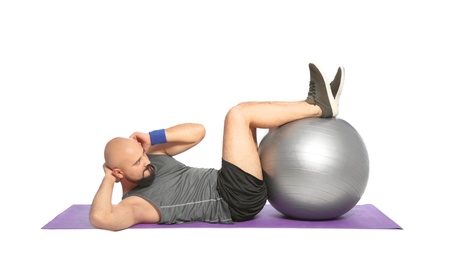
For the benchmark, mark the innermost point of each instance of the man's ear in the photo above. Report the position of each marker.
(118, 174)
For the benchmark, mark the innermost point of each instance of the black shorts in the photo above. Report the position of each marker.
(245, 194)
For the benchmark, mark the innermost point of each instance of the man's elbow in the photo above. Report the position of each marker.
(96, 220)
(101, 221)
(200, 132)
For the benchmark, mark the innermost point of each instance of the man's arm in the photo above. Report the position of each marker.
(103, 214)
(179, 138)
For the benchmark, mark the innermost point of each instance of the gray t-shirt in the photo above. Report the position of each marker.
(184, 194)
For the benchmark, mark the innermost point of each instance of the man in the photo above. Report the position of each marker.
(159, 189)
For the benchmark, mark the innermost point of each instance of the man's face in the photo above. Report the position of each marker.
(137, 167)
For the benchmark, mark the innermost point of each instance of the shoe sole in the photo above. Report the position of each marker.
(340, 85)
(331, 99)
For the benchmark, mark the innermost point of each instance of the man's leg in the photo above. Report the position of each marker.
(239, 138)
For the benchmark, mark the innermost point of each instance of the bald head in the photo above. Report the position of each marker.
(119, 150)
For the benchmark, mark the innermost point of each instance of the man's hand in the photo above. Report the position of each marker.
(143, 139)
(109, 173)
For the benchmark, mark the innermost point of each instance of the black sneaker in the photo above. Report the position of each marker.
(320, 93)
(337, 84)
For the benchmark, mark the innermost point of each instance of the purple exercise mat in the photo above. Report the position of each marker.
(360, 217)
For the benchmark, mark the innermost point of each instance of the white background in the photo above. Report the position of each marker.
(74, 74)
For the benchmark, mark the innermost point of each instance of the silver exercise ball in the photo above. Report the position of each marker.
(314, 168)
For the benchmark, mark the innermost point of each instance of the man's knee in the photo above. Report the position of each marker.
(237, 113)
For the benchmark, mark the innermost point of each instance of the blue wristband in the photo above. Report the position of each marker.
(158, 137)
